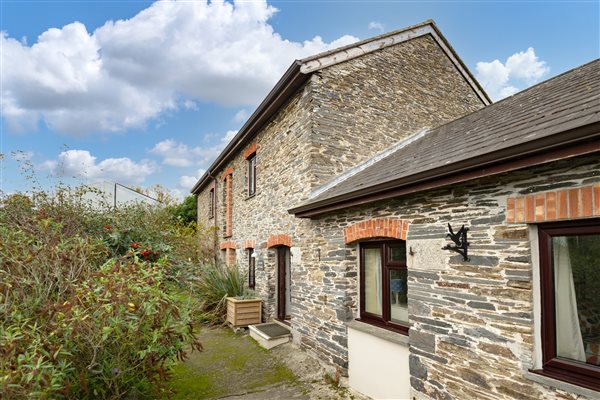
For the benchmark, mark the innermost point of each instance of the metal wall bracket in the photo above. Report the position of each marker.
(460, 239)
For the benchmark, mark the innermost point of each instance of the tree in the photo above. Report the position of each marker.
(187, 211)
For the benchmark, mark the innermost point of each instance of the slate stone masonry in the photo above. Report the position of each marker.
(472, 323)
(342, 116)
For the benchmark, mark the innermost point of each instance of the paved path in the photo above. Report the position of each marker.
(276, 392)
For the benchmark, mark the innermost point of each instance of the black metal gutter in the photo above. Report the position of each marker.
(289, 83)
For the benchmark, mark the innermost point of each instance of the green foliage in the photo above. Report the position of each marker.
(215, 284)
(584, 252)
(89, 305)
(187, 212)
(130, 330)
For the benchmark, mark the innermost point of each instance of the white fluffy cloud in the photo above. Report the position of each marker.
(129, 71)
(378, 26)
(501, 79)
(187, 182)
(178, 154)
(81, 164)
(241, 116)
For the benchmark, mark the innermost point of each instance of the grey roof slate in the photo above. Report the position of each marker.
(565, 102)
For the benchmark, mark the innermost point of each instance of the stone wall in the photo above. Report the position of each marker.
(370, 103)
(472, 323)
(342, 115)
(282, 149)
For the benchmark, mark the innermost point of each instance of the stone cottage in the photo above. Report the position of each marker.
(326, 114)
(515, 314)
(339, 193)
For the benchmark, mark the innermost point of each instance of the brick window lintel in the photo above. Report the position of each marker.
(377, 228)
(555, 205)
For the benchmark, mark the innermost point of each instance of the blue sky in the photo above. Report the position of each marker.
(144, 93)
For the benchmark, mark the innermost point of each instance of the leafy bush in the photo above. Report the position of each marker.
(129, 330)
(44, 253)
(217, 282)
(85, 314)
(187, 212)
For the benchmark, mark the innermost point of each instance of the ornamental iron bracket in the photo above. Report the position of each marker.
(460, 239)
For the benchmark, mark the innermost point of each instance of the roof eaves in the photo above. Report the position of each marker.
(285, 87)
(586, 137)
(300, 70)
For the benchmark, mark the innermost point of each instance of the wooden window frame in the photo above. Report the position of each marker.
(211, 203)
(386, 265)
(251, 175)
(251, 269)
(580, 374)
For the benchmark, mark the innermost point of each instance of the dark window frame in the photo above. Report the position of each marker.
(552, 366)
(211, 203)
(387, 265)
(251, 174)
(251, 269)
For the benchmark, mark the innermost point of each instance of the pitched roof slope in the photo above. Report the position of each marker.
(533, 120)
(300, 70)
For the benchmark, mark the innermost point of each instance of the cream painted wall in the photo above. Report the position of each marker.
(376, 367)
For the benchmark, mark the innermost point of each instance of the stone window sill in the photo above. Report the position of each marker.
(381, 333)
(558, 384)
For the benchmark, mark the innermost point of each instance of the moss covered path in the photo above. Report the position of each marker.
(233, 366)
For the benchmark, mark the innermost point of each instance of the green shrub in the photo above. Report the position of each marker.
(116, 335)
(186, 212)
(43, 254)
(217, 282)
(129, 330)
(81, 317)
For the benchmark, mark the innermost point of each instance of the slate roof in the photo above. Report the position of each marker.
(542, 117)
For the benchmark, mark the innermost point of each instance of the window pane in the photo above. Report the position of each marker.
(252, 175)
(373, 281)
(576, 262)
(251, 269)
(397, 252)
(398, 296)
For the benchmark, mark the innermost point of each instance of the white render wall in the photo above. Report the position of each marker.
(377, 367)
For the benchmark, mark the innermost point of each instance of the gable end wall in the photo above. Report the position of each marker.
(370, 103)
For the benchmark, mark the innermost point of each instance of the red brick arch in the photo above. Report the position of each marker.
(250, 151)
(376, 228)
(227, 245)
(279, 240)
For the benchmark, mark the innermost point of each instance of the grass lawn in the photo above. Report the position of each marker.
(230, 364)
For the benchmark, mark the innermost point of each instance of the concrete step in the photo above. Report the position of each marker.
(270, 334)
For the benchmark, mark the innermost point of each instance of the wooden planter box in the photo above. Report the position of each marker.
(244, 312)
